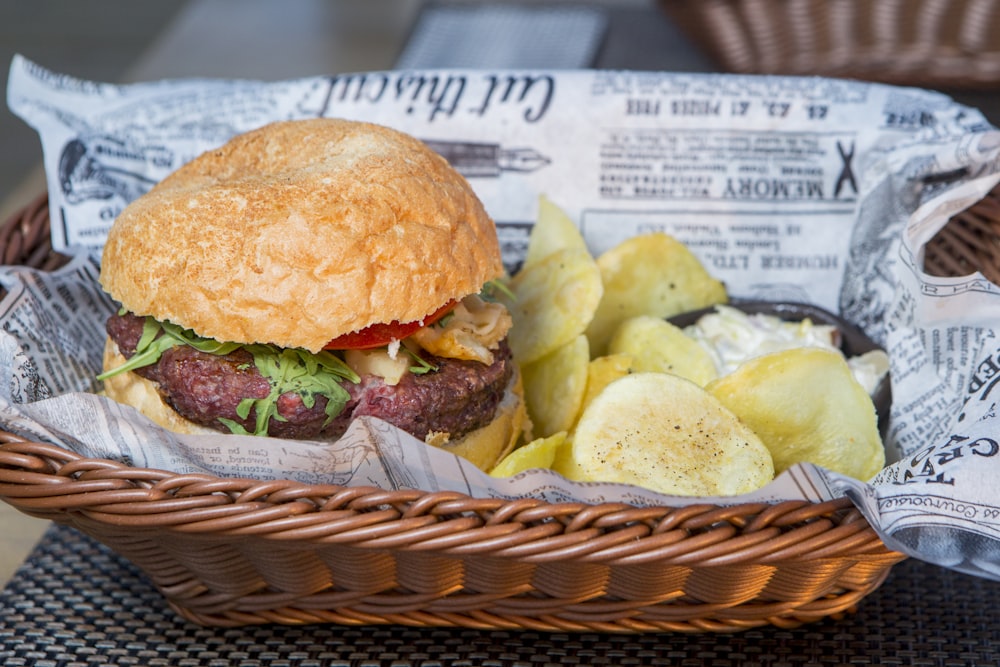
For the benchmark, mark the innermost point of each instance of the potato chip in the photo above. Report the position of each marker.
(651, 274)
(553, 231)
(539, 453)
(563, 459)
(805, 405)
(665, 433)
(554, 386)
(602, 371)
(658, 346)
(554, 301)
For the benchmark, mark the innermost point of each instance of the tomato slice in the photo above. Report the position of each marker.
(379, 334)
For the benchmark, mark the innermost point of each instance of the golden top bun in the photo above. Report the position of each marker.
(301, 231)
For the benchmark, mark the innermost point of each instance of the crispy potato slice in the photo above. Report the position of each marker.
(554, 301)
(554, 386)
(805, 405)
(539, 453)
(553, 231)
(602, 371)
(665, 433)
(650, 274)
(660, 347)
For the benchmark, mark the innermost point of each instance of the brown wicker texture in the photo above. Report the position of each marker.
(969, 242)
(25, 237)
(933, 43)
(234, 551)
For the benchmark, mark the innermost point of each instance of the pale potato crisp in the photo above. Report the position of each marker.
(665, 433)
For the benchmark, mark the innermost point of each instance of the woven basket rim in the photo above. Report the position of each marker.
(523, 563)
(58, 473)
(930, 44)
(237, 551)
(819, 559)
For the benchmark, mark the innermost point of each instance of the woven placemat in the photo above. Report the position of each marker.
(74, 603)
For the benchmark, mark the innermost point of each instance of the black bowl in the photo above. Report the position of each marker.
(853, 341)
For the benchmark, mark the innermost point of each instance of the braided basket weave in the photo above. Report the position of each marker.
(228, 552)
(931, 43)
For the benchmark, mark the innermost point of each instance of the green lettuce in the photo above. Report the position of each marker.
(288, 370)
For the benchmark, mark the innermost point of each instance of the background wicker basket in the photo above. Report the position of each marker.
(233, 551)
(932, 43)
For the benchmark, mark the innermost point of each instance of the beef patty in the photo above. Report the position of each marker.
(457, 398)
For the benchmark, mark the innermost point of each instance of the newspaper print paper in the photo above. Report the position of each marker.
(787, 188)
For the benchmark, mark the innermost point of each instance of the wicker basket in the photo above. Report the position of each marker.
(933, 43)
(233, 551)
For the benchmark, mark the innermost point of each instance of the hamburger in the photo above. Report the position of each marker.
(303, 275)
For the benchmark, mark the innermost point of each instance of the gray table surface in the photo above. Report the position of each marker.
(74, 602)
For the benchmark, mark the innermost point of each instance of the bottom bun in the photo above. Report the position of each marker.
(486, 446)
(133, 389)
(483, 447)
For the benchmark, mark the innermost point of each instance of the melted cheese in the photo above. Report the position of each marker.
(470, 331)
(380, 362)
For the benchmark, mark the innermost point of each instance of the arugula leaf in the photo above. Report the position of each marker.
(191, 339)
(494, 287)
(422, 366)
(286, 369)
(234, 426)
(291, 370)
(147, 351)
(152, 345)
